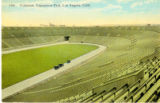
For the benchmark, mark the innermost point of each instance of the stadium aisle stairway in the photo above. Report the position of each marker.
(4, 45)
(25, 41)
(13, 42)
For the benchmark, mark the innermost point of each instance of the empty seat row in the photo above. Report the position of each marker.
(138, 91)
(144, 88)
(152, 93)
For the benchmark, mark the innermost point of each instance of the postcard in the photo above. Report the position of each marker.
(80, 51)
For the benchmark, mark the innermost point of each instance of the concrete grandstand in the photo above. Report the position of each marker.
(127, 71)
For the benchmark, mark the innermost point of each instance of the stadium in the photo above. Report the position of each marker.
(81, 64)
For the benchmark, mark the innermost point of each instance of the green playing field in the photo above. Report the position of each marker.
(21, 65)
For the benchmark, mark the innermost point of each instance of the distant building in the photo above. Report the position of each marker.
(51, 25)
(43, 25)
(148, 24)
(62, 25)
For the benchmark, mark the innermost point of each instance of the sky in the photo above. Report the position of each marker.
(80, 12)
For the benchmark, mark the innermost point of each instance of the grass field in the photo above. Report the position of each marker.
(21, 65)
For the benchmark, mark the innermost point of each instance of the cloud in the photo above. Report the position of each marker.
(109, 7)
(136, 4)
(124, 1)
(82, 2)
(91, 1)
(149, 1)
(142, 2)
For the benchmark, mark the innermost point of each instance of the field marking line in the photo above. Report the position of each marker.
(21, 86)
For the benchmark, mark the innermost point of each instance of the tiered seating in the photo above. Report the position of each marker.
(13, 42)
(152, 93)
(4, 45)
(37, 40)
(34, 35)
(48, 38)
(25, 41)
(124, 95)
(144, 90)
(78, 98)
(21, 42)
(115, 94)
